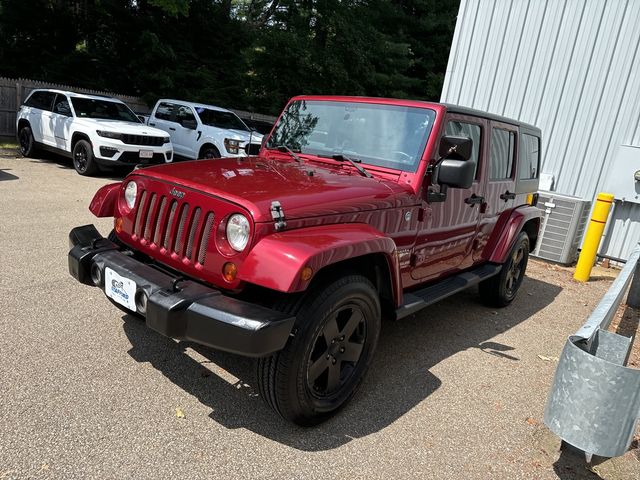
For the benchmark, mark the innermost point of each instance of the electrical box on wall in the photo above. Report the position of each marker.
(623, 178)
(564, 219)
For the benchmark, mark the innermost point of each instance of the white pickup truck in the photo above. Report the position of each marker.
(204, 131)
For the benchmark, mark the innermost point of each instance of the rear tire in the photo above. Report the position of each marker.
(27, 142)
(325, 360)
(500, 290)
(83, 160)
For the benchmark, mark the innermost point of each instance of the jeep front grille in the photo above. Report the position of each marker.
(183, 231)
(144, 140)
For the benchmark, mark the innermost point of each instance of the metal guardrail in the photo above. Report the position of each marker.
(594, 402)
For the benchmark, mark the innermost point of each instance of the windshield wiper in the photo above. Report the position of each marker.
(341, 158)
(284, 148)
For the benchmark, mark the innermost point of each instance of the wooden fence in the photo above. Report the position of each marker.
(14, 91)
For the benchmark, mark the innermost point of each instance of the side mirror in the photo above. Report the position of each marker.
(190, 124)
(455, 148)
(142, 119)
(252, 148)
(456, 173)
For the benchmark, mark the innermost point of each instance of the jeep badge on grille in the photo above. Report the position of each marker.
(176, 193)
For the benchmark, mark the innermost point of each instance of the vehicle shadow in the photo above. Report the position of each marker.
(4, 175)
(60, 161)
(398, 380)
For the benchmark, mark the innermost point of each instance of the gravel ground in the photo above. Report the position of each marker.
(456, 392)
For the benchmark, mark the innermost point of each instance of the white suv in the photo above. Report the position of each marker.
(204, 131)
(92, 130)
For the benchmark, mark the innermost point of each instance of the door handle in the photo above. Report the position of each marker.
(474, 200)
(173, 129)
(152, 124)
(508, 196)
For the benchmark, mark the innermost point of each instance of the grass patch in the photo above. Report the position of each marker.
(8, 145)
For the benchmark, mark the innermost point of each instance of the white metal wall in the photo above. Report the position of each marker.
(570, 67)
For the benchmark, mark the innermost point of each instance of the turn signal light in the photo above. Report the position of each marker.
(306, 274)
(229, 271)
(117, 224)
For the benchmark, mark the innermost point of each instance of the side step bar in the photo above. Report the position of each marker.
(419, 299)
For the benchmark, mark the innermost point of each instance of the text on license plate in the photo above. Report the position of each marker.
(146, 153)
(121, 289)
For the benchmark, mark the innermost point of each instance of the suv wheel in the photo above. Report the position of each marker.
(27, 142)
(83, 160)
(500, 290)
(326, 358)
(209, 151)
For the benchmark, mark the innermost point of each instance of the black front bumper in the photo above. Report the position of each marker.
(185, 310)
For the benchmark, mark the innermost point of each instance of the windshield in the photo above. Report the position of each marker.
(103, 109)
(389, 136)
(216, 118)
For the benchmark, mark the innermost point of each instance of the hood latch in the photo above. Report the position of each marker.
(277, 213)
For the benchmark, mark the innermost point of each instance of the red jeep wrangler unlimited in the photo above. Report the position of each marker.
(354, 210)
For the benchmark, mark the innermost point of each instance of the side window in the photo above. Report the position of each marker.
(184, 113)
(61, 106)
(502, 150)
(41, 100)
(163, 112)
(469, 130)
(529, 161)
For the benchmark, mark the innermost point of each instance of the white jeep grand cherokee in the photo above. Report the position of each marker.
(204, 131)
(92, 130)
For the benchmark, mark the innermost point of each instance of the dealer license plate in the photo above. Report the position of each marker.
(146, 153)
(121, 289)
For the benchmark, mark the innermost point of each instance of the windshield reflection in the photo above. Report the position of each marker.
(389, 136)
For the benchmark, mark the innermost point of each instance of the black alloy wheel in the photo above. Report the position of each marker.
(328, 353)
(27, 142)
(336, 351)
(500, 290)
(83, 160)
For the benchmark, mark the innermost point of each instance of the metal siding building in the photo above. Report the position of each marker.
(570, 67)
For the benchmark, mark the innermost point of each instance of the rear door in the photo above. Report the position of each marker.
(61, 118)
(40, 104)
(501, 184)
(447, 237)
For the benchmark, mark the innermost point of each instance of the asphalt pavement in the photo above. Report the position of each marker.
(456, 392)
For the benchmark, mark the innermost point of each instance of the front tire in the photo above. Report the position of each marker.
(83, 160)
(500, 290)
(326, 358)
(27, 142)
(209, 151)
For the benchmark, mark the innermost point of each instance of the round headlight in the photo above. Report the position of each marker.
(130, 194)
(238, 232)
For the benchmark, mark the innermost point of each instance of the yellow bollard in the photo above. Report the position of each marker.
(592, 238)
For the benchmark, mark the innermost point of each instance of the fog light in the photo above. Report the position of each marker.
(229, 271)
(117, 224)
(141, 301)
(96, 275)
(306, 274)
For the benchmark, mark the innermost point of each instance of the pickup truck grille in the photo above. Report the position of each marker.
(144, 140)
(173, 226)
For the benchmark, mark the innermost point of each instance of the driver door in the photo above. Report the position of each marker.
(446, 241)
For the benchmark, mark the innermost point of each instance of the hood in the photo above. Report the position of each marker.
(119, 126)
(303, 190)
(244, 135)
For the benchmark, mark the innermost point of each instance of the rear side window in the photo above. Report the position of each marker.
(469, 130)
(502, 150)
(529, 161)
(164, 110)
(41, 100)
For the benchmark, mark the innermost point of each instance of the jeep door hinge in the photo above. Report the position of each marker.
(277, 213)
